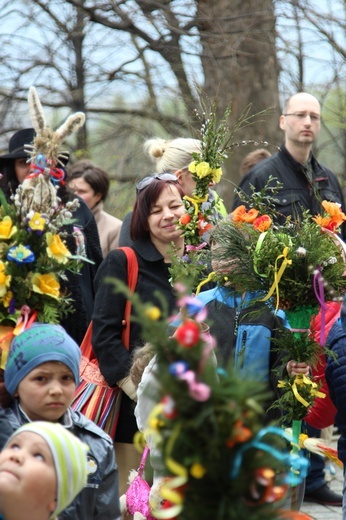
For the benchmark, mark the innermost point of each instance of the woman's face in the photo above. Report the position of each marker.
(186, 181)
(21, 169)
(164, 215)
(85, 192)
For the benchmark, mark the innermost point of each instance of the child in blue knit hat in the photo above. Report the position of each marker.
(42, 373)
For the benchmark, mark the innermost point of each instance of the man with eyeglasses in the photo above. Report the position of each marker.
(305, 182)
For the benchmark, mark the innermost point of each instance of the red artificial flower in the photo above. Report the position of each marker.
(262, 223)
(185, 219)
(187, 334)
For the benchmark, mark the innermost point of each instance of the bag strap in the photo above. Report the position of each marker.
(132, 277)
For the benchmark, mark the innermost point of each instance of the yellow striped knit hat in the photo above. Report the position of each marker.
(70, 459)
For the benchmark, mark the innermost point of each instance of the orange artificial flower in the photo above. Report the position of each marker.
(333, 209)
(238, 214)
(241, 434)
(262, 223)
(250, 216)
(185, 219)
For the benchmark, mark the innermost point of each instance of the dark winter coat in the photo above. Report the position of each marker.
(302, 189)
(335, 374)
(114, 358)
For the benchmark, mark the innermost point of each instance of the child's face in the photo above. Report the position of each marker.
(47, 391)
(28, 481)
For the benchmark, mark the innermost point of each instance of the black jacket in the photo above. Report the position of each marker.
(114, 359)
(302, 189)
(80, 286)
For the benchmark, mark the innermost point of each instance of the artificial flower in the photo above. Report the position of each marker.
(262, 223)
(217, 174)
(7, 229)
(56, 249)
(46, 284)
(36, 222)
(250, 216)
(238, 214)
(203, 225)
(203, 170)
(185, 219)
(5, 279)
(21, 254)
(6, 300)
(187, 334)
(197, 470)
(153, 313)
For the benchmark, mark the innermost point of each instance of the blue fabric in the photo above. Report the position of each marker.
(40, 343)
(336, 378)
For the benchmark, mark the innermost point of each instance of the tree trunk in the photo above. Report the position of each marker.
(241, 68)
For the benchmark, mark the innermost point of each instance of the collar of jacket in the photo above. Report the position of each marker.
(146, 249)
(315, 166)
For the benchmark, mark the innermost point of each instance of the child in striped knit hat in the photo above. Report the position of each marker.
(42, 468)
(41, 373)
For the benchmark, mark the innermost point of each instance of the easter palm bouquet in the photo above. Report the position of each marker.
(219, 462)
(34, 257)
(297, 266)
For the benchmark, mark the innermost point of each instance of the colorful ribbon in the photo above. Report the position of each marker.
(257, 249)
(277, 276)
(299, 380)
(319, 293)
(208, 279)
(196, 248)
(195, 201)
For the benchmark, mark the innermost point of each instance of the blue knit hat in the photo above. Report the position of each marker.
(40, 343)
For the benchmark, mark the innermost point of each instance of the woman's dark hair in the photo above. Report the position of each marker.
(144, 202)
(8, 182)
(97, 178)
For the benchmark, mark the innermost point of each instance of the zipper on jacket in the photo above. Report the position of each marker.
(241, 353)
(236, 323)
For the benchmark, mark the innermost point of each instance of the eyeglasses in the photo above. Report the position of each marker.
(304, 115)
(143, 183)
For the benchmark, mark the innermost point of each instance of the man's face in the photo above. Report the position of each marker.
(302, 120)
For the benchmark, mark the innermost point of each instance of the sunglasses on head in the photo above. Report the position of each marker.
(143, 183)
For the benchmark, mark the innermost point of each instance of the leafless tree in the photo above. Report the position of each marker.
(139, 68)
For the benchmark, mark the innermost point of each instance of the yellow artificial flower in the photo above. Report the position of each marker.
(192, 167)
(197, 470)
(37, 222)
(217, 174)
(153, 313)
(56, 249)
(203, 170)
(7, 229)
(6, 300)
(46, 284)
(5, 279)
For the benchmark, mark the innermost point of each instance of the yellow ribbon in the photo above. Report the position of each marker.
(208, 279)
(168, 490)
(299, 380)
(277, 276)
(195, 201)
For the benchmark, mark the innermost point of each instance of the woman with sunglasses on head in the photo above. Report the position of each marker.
(175, 155)
(157, 209)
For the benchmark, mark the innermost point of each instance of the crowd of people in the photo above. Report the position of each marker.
(39, 381)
